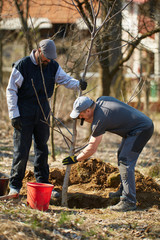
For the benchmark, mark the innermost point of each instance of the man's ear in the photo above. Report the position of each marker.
(88, 110)
(39, 51)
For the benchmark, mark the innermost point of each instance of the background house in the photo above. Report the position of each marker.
(54, 15)
(145, 61)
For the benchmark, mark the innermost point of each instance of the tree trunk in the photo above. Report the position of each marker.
(105, 80)
(118, 85)
(107, 41)
(1, 61)
(23, 20)
(147, 93)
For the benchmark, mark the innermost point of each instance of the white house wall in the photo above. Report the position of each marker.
(130, 24)
(15, 23)
(130, 21)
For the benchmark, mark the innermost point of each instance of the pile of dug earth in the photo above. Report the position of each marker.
(91, 181)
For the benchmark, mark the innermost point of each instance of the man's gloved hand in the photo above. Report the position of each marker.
(83, 84)
(16, 123)
(69, 160)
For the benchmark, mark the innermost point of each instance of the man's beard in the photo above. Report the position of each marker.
(43, 63)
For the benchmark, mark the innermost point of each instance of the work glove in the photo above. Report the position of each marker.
(16, 123)
(83, 84)
(69, 160)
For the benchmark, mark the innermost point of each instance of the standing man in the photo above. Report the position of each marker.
(25, 112)
(135, 128)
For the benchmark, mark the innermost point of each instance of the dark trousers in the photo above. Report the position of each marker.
(32, 128)
(128, 153)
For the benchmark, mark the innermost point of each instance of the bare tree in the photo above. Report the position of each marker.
(108, 44)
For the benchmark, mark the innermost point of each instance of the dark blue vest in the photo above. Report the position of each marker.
(27, 100)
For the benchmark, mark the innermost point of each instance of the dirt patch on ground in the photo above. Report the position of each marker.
(91, 181)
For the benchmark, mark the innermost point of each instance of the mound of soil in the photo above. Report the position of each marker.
(91, 181)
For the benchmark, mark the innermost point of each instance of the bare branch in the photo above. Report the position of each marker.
(105, 20)
(64, 137)
(134, 92)
(38, 100)
(81, 148)
(96, 15)
(90, 90)
(108, 50)
(57, 131)
(132, 46)
(63, 125)
(80, 12)
(108, 19)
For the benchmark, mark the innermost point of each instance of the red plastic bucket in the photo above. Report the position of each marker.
(39, 195)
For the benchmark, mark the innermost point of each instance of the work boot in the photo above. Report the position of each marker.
(55, 194)
(115, 194)
(123, 206)
(14, 192)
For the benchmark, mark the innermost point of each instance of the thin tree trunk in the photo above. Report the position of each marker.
(147, 93)
(1, 46)
(1, 61)
(53, 124)
(68, 168)
(105, 80)
(24, 22)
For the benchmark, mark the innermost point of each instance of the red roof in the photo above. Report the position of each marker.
(140, 1)
(55, 10)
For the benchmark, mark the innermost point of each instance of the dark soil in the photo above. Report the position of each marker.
(91, 181)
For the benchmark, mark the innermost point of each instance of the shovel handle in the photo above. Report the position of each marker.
(5, 197)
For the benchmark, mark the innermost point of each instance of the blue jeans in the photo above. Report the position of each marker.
(32, 128)
(128, 153)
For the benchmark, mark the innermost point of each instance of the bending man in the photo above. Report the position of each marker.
(135, 128)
